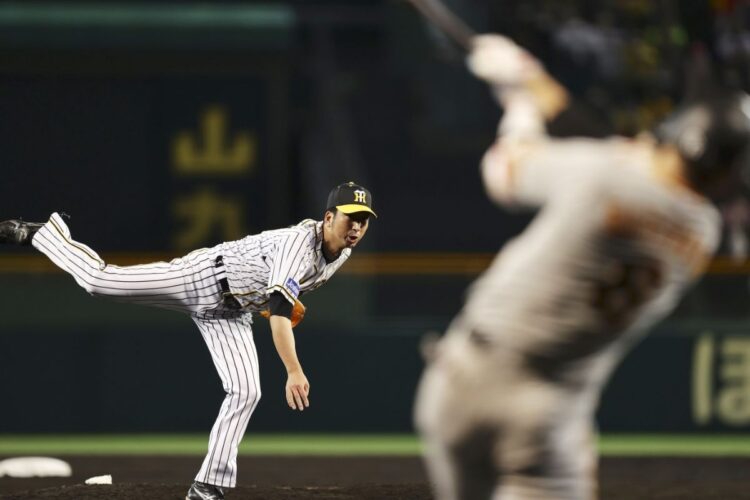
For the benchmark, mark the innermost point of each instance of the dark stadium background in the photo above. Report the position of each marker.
(106, 112)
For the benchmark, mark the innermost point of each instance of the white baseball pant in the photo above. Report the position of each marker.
(492, 430)
(189, 284)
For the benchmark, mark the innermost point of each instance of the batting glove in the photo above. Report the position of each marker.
(499, 61)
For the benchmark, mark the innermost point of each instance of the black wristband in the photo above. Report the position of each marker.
(279, 306)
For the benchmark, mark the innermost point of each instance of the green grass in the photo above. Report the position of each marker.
(191, 444)
(675, 445)
(344, 444)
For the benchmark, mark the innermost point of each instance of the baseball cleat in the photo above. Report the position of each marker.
(203, 491)
(18, 232)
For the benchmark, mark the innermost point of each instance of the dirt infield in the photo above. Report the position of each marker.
(366, 478)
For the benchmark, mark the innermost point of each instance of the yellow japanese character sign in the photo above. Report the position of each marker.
(721, 380)
(206, 214)
(213, 150)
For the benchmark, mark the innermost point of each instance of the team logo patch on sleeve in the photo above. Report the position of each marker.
(292, 286)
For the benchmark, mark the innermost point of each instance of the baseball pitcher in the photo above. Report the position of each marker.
(624, 227)
(221, 288)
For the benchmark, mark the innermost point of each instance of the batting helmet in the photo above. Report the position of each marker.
(712, 135)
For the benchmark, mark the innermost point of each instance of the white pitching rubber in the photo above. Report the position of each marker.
(106, 479)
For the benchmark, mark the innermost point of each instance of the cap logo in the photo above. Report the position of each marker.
(360, 196)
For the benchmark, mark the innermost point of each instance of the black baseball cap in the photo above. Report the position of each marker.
(350, 198)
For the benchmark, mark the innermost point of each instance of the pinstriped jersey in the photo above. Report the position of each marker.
(288, 260)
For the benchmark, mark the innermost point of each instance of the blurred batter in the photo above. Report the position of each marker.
(624, 227)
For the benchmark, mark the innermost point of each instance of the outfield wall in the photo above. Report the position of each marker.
(73, 363)
(168, 127)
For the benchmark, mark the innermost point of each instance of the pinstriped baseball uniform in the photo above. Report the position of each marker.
(506, 407)
(219, 288)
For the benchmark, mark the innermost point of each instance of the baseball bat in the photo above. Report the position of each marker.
(446, 21)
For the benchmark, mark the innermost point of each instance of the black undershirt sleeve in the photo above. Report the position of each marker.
(279, 306)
